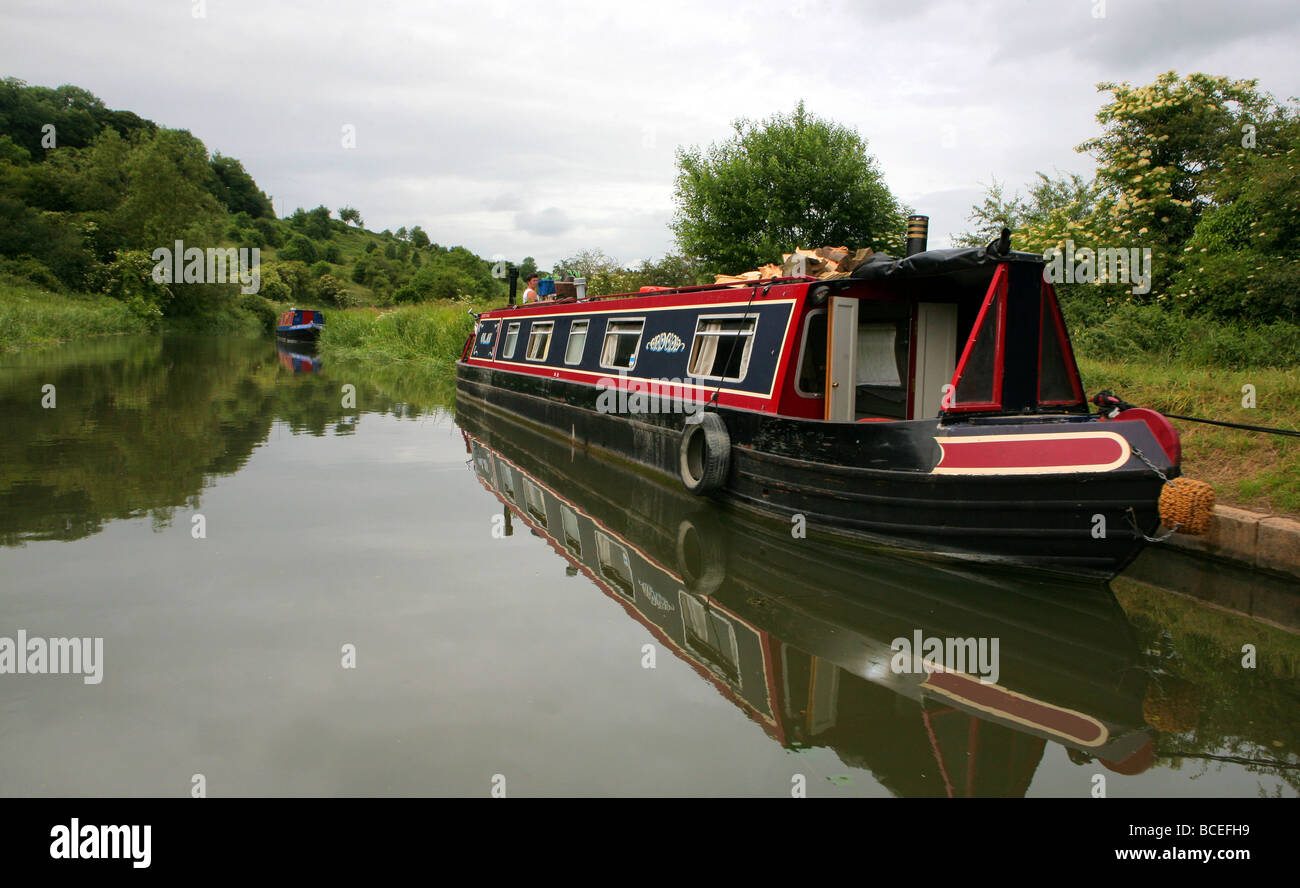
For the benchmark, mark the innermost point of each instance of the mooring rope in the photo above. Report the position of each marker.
(1110, 403)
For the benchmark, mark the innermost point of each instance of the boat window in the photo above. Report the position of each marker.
(539, 340)
(577, 342)
(622, 340)
(615, 566)
(512, 336)
(978, 375)
(507, 483)
(722, 346)
(1057, 380)
(535, 501)
(569, 523)
(711, 637)
(811, 382)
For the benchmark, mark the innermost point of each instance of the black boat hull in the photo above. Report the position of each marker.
(870, 482)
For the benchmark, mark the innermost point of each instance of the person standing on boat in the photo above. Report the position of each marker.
(530, 293)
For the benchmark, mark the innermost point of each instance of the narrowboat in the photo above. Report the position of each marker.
(297, 359)
(300, 325)
(801, 636)
(930, 402)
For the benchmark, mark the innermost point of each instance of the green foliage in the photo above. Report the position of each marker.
(76, 115)
(129, 279)
(351, 215)
(1204, 172)
(270, 231)
(261, 307)
(606, 275)
(331, 290)
(1133, 332)
(297, 277)
(333, 253)
(419, 239)
(273, 287)
(431, 334)
(33, 271)
(300, 249)
(30, 316)
(320, 268)
(166, 199)
(236, 189)
(792, 180)
(317, 225)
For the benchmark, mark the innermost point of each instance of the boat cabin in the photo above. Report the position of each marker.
(957, 333)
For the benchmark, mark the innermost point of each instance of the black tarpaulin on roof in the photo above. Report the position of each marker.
(932, 263)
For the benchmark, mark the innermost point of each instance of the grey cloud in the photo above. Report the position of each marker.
(549, 222)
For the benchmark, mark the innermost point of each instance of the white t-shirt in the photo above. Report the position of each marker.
(530, 295)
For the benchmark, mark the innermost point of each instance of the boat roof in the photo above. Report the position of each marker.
(972, 266)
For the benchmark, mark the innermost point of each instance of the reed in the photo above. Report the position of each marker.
(30, 316)
(432, 334)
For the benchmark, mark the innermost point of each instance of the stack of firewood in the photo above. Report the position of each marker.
(824, 263)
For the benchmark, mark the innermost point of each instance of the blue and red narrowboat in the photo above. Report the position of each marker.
(300, 324)
(930, 402)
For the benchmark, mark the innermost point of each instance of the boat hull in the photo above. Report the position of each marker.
(879, 483)
(298, 334)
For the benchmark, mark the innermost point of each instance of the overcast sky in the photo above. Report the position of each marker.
(544, 128)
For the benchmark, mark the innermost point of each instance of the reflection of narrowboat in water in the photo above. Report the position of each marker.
(930, 402)
(800, 633)
(300, 325)
(300, 359)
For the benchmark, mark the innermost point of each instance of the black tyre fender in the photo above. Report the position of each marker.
(701, 554)
(705, 453)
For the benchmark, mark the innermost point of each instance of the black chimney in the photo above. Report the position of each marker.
(514, 283)
(918, 230)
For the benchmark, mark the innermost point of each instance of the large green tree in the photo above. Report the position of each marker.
(793, 180)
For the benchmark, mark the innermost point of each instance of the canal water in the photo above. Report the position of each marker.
(324, 579)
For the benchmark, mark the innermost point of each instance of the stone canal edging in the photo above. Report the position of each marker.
(1256, 539)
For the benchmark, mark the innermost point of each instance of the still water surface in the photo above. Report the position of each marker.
(505, 596)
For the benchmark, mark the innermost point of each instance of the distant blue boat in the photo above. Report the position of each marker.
(300, 325)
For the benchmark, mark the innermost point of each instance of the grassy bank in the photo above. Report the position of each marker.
(430, 334)
(30, 316)
(1248, 469)
(411, 352)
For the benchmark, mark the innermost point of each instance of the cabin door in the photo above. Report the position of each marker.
(936, 355)
(842, 359)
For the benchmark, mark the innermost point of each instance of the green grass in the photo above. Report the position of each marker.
(1248, 469)
(431, 334)
(31, 316)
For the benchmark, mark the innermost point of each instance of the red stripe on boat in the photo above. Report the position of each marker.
(1032, 454)
(997, 700)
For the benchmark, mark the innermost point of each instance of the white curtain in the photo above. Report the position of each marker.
(876, 362)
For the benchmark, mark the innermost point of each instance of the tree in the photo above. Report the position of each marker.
(527, 268)
(318, 225)
(418, 238)
(166, 194)
(236, 189)
(351, 215)
(792, 180)
(1185, 166)
(300, 249)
